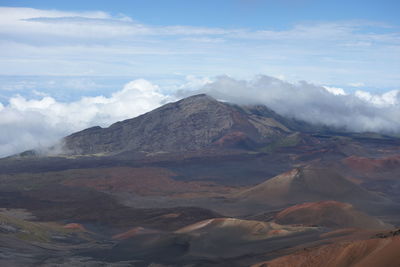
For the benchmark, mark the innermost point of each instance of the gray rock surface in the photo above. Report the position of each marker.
(192, 123)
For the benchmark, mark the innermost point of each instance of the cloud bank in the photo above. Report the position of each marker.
(29, 123)
(360, 112)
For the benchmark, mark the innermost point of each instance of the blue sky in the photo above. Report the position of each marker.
(257, 14)
(334, 43)
(111, 60)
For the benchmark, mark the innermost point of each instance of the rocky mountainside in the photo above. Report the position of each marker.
(192, 123)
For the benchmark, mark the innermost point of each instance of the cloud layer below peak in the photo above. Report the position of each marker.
(32, 123)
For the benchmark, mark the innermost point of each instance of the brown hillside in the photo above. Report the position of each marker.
(366, 253)
(330, 214)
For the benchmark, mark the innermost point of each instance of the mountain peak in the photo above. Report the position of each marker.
(192, 103)
(199, 96)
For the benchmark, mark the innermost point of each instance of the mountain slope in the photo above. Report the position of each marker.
(364, 253)
(192, 123)
(307, 184)
(332, 214)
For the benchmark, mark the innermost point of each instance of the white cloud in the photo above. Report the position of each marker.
(29, 123)
(359, 84)
(19, 85)
(193, 82)
(335, 90)
(316, 104)
(204, 40)
(85, 25)
(391, 98)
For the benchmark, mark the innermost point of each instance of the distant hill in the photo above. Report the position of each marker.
(307, 184)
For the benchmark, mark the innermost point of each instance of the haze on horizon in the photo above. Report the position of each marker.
(69, 65)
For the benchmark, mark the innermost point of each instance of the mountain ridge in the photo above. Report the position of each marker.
(196, 123)
(192, 123)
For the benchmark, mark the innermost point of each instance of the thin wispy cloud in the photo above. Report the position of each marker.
(96, 43)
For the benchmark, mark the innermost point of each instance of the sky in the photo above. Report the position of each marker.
(68, 65)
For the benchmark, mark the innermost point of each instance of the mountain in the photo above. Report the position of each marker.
(192, 123)
(307, 184)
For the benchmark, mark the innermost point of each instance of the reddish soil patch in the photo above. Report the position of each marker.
(142, 181)
(134, 232)
(315, 206)
(364, 253)
(368, 165)
(231, 139)
(330, 214)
